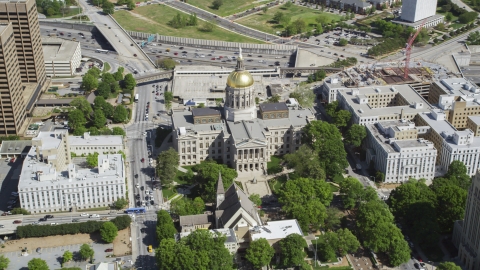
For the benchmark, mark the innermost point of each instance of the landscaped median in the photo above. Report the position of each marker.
(156, 18)
(91, 226)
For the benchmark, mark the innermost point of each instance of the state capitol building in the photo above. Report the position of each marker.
(241, 134)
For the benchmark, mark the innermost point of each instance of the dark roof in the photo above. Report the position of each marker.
(235, 199)
(204, 112)
(271, 107)
(15, 147)
(220, 188)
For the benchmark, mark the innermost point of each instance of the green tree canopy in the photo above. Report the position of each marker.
(108, 78)
(92, 160)
(207, 178)
(186, 206)
(129, 81)
(291, 248)
(166, 63)
(89, 82)
(341, 118)
(168, 98)
(216, 4)
(353, 192)
(355, 135)
(108, 232)
(120, 114)
(326, 141)
(4, 262)
(37, 264)
(67, 256)
(448, 266)
(259, 253)
(86, 252)
(306, 163)
(99, 119)
(167, 164)
(255, 198)
(118, 131)
(333, 219)
(304, 95)
(103, 90)
(343, 42)
(95, 72)
(76, 119)
(83, 105)
(165, 227)
(451, 202)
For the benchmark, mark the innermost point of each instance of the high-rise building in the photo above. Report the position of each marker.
(12, 104)
(466, 232)
(24, 18)
(417, 10)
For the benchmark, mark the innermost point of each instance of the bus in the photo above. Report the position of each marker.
(136, 98)
(135, 210)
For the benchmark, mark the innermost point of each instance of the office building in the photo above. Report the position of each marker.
(50, 182)
(459, 99)
(466, 232)
(397, 152)
(417, 10)
(450, 143)
(329, 89)
(239, 135)
(102, 144)
(62, 57)
(12, 102)
(24, 18)
(369, 105)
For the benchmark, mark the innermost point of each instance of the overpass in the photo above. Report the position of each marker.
(310, 70)
(154, 77)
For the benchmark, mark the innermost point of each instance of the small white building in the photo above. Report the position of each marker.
(396, 151)
(102, 144)
(274, 231)
(62, 57)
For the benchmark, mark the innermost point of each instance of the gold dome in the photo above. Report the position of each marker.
(240, 79)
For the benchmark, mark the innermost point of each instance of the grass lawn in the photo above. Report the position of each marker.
(457, 25)
(273, 166)
(338, 178)
(156, 18)
(229, 7)
(106, 67)
(334, 188)
(180, 177)
(68, 13)
(168, 192)
(370, 19)
(263, 22)
(278, 183)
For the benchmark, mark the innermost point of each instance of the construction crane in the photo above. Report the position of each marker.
(408, 49)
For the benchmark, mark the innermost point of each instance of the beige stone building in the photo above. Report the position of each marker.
(191, 223)
(12, 103)
(24, 18)
(53, 148)
(473, 123)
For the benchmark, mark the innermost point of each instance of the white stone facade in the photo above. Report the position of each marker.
(417, 10)
(102, 144)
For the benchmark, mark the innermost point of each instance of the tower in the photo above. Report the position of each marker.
(239, 94)
(417, 10)
(24, 18)
(220, 190)
(12, 105)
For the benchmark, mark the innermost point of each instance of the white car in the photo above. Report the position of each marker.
(94, 215)
(84, 215)
(53, 223)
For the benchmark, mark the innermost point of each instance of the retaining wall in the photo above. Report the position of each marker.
(75, 26)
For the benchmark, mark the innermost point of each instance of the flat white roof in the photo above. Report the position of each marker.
(56, 49)
(101, 140)
(276, 229)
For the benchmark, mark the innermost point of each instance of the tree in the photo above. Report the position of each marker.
(108, 78)
(92, 160)
(343, 42)
(37, 264)
(131, 5)
(108, 7)
(304, 95)
(108, 110)
(168, 98)
(448, 17)
(467, 17)
(129, 82)
(83, 105)
(120, 203)
(166, 63)
(451, 202)
(352, 190)
(108, 232)
(448, 266)
(186, 206)
(167, 163)
(355, 135)
(264, 9)
(120, 114)
(89, 82)
(259, 253)
(192, 20)
(67, 256)
(457, 174)
(208, 26)
(326, 141)
(4, 262)
(198, 205)
(291, 248)
(347, 242)
(95, 72)
(332, 220)
(216, 4)
(118, 131)
(273, 99)
(166, 255)
(331, 108)
(118, 75)
(99, 119)
(255, 198)
(165, 227)
(76, 119)
(287, 5)
(342, 117)
(103, 90)
(99, 102)
(19, 211)
(86, 252)
(278, 16)
(306, 163)
(207, 178)
(299, 25)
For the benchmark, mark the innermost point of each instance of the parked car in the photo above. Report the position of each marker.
(84, 215)
(17, 221)
(95, 216)
(109, 250)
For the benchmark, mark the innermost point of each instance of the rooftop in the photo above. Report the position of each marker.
(15, 147)
(475, 119)
(269, 107)
(103, 140)
(56, 49)
(457, 86)
(204, 112)
(229, 233)
(50, 140)
(276, 229)
(192, 220)
(365, 110)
